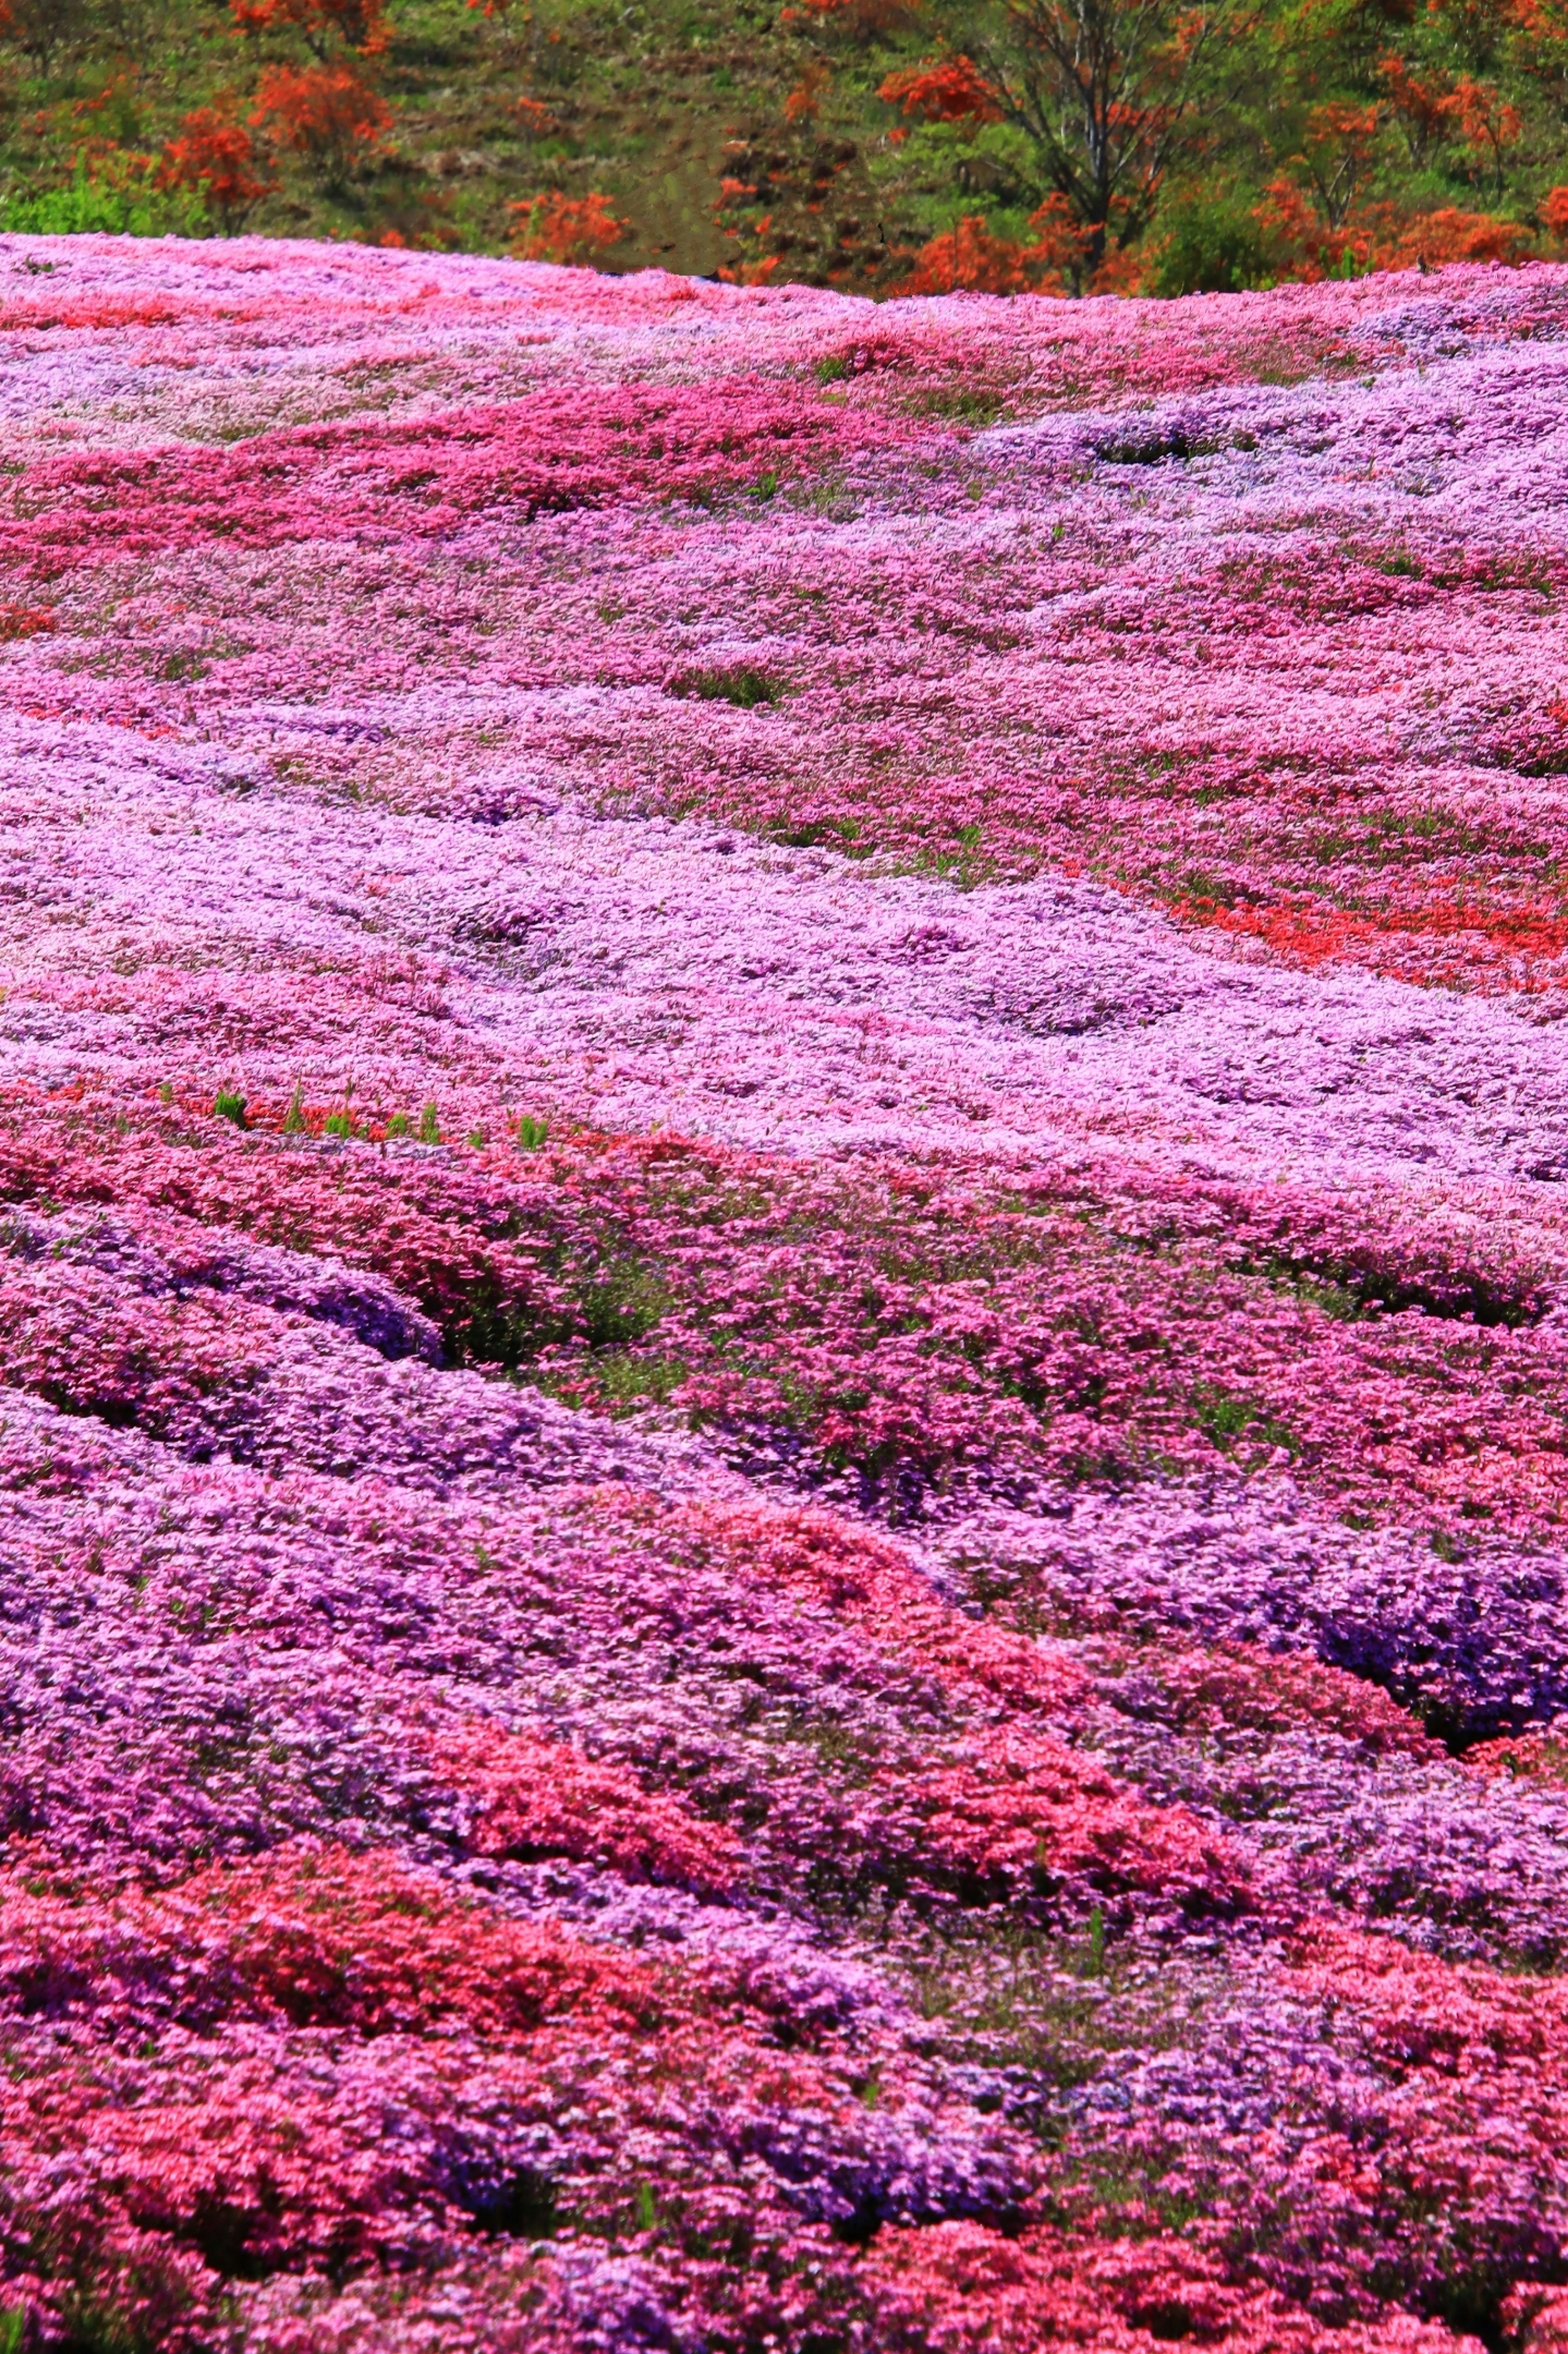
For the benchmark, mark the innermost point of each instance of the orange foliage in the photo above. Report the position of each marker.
(969, 258)
(326, 115)
(217, 154)
(1122, 271)
(1449, 235)
(943, 89)
(1489, 125)
(1061, 245)
(802, 103)
(757, 271)
(360, 25)
(1338, 147)
(553, 227)
(1425, 110)
(1545, 27)
(1379, 237)
(534, 117)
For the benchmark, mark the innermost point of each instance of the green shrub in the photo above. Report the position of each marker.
(122, 204)
(1215, 247)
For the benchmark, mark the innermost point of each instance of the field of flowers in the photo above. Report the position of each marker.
(783, 1313)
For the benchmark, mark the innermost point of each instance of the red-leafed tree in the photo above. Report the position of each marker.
(557, 227)
(327, 27)
(1424, 108)
(328, 116)
(1105, 90)
(1488, 123)
(217, 154)
(805, 101)
(970, 258)
(943, 89)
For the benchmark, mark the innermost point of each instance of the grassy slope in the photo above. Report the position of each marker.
(655, 102)
(653, 105)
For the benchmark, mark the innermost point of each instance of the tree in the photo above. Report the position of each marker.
(943, 89)
(1337, 156)
(557, 227)
(216, 156)
(1105, 91)
(327, 116)
(1490, 124)
(1108, 91)
(327, 27)
(968, 256)
(1424, 110)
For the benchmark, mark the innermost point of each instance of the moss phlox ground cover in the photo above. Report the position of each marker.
(783, 1312)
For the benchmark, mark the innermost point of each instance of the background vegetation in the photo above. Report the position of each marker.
(1098, 145)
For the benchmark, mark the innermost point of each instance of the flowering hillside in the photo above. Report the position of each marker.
(783, 1312)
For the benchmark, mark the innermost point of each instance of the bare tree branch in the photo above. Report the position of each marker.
(1106, 91)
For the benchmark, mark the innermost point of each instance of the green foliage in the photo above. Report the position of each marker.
(89, 206)
(622, 1303)
(739, 684)
(1226, 1418)
(230, 1106)
(533, 1135)
(1214, 245)
(429, 1128)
